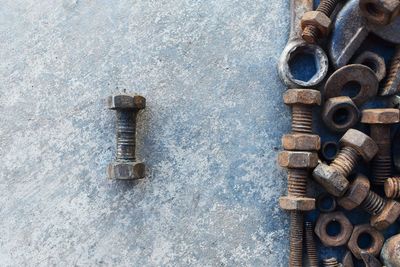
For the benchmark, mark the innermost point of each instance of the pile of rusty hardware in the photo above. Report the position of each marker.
(352, 207)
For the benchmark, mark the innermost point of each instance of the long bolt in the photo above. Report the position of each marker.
(331, 262)
(392, 85)
(310, 245)
(311, 33)
(392, 187)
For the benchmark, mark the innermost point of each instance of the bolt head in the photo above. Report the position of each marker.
(293, 203)
(302, 96)
(330, 179)
(361, 142)
(380, 116)
(298, 159)
(356, 193)
(126, 170)
(301, 142)
(317, 19)
(126, 101)
(387, 217)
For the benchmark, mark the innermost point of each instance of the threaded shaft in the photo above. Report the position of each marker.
(382, 162)
(126, 135)
(297, 182)
(327, 6)
(301, 119)
(392, 187)
(394, 70)
(296, 239)
(310, 245)
(346, 160)
(373, 203)
(331, 262)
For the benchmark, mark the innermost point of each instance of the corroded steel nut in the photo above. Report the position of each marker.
(356, 193)
(317, 19)
(326, 203)
(375, 246)
(297, 203)
(125, 101)
(298, 159)
(387, 217)
(390, 253)
(302, 96)
(126, 170)
(380, 116)
(301, 141)
(355, 73)
(321, 229)
(329, 150)
(330, 179)
(340, 113)
(374, 61)
(361, 142)
(381, 12)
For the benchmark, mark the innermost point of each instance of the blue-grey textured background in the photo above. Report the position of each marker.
(209, 134)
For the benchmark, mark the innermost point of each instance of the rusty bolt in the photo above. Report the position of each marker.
(125, 165)
(374, 247)
(331, 262)
(381, 12)
(312, 254)
(392, 187)
(340, 113)
(390, 253)
(374, 61)
(301, 142)
(380, 121)
(322, 231)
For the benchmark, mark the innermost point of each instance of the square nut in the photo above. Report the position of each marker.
(298, 159)
(301, 142)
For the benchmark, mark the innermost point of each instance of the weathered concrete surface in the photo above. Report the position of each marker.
(209, 135)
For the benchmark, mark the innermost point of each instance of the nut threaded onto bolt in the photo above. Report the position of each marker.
(394, 70)
(331, 262)
(346, 160)
(311, 34)
(296, 239)
(126, 135)
(297, 182)
(392, 187)
(373, 203)
(310, 245)
(301, 119)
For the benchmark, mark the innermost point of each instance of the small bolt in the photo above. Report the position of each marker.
(310, 245)
(392, 85)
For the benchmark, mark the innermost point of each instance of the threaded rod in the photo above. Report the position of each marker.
(301, 119)
(310, 245)
(346, 160)
(126, 135)
(373, 203)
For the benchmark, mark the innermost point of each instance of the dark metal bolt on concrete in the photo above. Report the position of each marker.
(125, 165)
(392, 187)
(311, 246)
(331, 262)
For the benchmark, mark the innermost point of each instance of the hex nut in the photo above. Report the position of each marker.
(317, 19)
(297, 203)
(388, 215)
(298, 159)
(381, 12)
(326, 203)
(356, 193)
(329, 150)
(361, 142)
(340, 113)
(125, 101)
(374, 61)
(126, 170)
(321, 229)
(380, 116)
(330, 179)
(301, 142)
(302, 96)
(375, 246)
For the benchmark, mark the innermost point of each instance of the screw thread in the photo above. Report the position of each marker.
(382, 169)
(373, 203)
(394, 70)
(392, 187)
(126, 135)
(301, 119)
(297, 182)
(331, 262)
(296, 239)
(345, 160)
(311, 34)
(327, 6)
(312, 254)
(382, 162)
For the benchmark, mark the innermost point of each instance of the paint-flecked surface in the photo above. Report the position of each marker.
(209, 135)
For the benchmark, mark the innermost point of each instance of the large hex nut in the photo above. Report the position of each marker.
(321, 229)
(317, 19)
(298, 159)
(125, 101)
(388, 215)
(381, 12)
(301, 142)
(380, 116)
(330, 179)
(126, 170)
(375, 246)
(297, 203)
(302, 96)
(340, 113)
(361, 142)
(356, 193)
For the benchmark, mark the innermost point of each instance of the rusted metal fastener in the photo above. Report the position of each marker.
(392, 187)
(392, 85)
(316, 24)
(331, 262)
(380, 12)
(373, 61)
(329, 237)
(125, 165)
(340, 113)
(348, 259)
(373, 247)
(326, 203)
(312, 254)
(354, 145)
(390, 253)
(380, 121)
(384, 212)
(369, 260)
